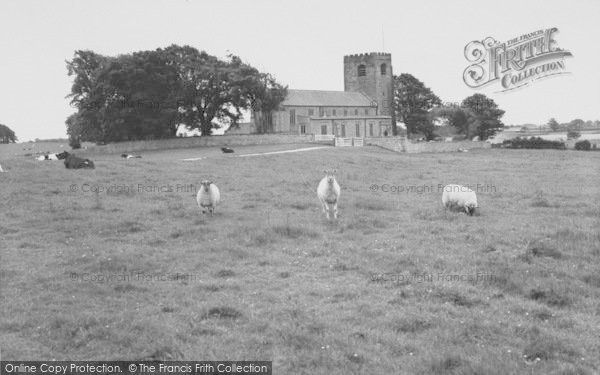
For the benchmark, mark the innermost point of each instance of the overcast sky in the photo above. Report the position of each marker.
(302, 43)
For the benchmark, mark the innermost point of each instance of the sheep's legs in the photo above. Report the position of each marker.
(335, 211)
(324, 205)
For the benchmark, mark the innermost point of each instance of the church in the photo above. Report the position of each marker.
(363, 109)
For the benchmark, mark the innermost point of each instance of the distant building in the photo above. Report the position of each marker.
(363, 109)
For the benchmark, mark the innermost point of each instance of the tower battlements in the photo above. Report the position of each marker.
(367, 55)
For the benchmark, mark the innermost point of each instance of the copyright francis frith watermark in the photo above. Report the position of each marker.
(516, 62)
(425, 277)
(132, 188)
(430, 188)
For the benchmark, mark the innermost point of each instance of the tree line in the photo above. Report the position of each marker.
(419, 108)
(148, 94)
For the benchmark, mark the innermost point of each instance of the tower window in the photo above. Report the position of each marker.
(292, 116)
(334, 112)
(362, 70)
(383, 69)
(356, 111)
(311, 112)
(357, 129)
(345, 112)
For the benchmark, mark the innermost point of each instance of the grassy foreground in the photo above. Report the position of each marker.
(119, 263)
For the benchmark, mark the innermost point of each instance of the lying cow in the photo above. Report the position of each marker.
(61, 156)
(129, 156)
(74, 162)
(227, 150)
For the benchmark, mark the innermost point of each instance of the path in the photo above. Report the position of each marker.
(267, 153)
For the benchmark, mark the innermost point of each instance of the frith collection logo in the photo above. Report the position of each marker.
(515, 63)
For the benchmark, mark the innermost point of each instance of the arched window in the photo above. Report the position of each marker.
(362, 70)
(383, 69)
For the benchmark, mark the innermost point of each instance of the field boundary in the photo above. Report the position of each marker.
(190, 142)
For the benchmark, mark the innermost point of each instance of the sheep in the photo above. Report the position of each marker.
(328, 192)
(459, 197)
(208, 197)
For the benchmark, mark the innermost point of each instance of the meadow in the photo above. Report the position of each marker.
(119, 263)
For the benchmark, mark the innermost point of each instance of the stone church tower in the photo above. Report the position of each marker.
(371, 74)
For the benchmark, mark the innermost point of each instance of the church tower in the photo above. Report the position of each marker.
(371, 74)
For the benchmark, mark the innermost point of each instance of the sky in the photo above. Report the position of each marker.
(302, 43)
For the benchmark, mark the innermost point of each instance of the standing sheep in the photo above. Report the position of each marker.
(329, 194)
(457, 197)
(208, 197)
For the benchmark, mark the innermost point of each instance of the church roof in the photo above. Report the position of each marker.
(317, 98)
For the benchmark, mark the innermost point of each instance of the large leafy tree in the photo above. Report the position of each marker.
(7, 135)
(214, 89)
(486, 120)
(413, 100)
(145, 95)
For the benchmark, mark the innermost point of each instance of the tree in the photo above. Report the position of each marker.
(576, 124)
(147, 94)
(413, 100)
(214, 89)
(7, 135)
(553, 124)
(463, 119)
(486, 115)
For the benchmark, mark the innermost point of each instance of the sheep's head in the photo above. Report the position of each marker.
(470, 208)
(330, 174)
(206, 185)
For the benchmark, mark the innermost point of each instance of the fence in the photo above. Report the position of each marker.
(216, 140)
(358, 142)
(401, 144)
(323, 137)
(343, 142)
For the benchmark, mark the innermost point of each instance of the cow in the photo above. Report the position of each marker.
(74, 162)
(227, 150)
(61, 156)
(129, 156)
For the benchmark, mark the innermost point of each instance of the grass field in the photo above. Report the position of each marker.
(396, 286)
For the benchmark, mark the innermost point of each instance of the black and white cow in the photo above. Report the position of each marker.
(74, 162)
(129, 156)
(227, 150)
(61, 156)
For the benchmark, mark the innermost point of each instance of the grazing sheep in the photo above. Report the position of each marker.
(457, 197)
(227, 150)
(208, 197)
(329, 194)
